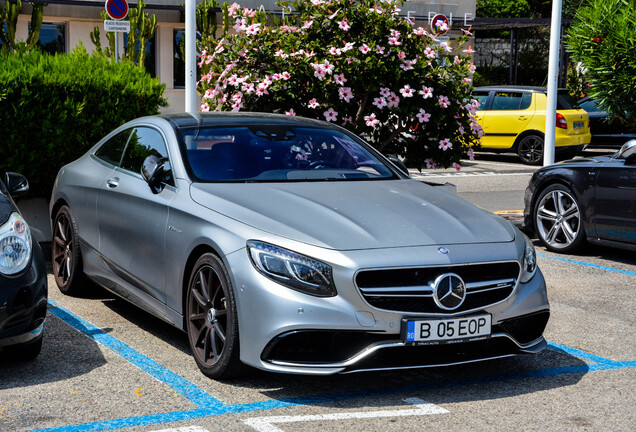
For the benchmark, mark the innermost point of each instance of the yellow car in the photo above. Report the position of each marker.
(513, 119)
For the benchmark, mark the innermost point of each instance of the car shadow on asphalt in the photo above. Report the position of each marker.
(490, 379)
(65, 354)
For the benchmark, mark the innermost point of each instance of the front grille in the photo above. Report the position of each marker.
(410, 290)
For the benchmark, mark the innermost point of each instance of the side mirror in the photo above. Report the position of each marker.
(399, 164)
(152, 172)
(628, 152)
(17, 184)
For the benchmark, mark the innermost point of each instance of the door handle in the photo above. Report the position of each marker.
(112, 182)
(523, 118)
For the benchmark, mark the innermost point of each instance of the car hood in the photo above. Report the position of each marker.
(355, 215)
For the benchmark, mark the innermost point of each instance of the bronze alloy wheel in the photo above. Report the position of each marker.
(211, 319)
(530, 149)
(66, 258)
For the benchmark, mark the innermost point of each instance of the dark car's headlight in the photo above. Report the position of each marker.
(529, 261)
(291, 269)
(15, 245)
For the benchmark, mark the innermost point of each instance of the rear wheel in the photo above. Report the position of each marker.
(557, 219)
(212, 321)
(530, 149)
(66, 255)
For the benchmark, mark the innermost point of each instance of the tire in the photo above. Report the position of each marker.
(25, 352)
(530, 149)
(66, 256)
(211, 319)
(557, 219)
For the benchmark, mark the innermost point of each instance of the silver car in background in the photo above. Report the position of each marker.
(291, 245)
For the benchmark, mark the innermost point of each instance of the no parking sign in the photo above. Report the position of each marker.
(116, 9)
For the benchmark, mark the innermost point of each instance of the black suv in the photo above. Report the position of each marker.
(23, 283)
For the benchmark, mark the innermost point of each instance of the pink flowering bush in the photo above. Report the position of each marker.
(354, 63)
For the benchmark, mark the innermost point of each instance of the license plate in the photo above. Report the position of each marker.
(579, 125)
(451, 330)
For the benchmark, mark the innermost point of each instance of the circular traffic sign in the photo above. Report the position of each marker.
(440, 24)
(117, 9)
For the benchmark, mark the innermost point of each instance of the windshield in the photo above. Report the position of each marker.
(278, 153)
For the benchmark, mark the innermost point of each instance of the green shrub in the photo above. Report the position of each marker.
(54, 108)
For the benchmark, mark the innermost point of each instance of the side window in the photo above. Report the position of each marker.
(113, 149)
(482, 98)
(506, 101)
(143, 143)
(525, 101)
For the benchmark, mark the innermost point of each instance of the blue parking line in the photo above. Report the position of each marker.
(182, 386)
(212, 407)
(587, 264)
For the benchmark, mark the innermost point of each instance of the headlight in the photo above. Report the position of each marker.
(293, 270)
(529, 261)
(15, 245)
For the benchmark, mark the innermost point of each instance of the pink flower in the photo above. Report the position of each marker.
(430, 163)
(393, 100)
(471, 154)
(364, 48)
(443, 101)
(233, 9)
(208, 94)
(290, 112)
(307, 24)
(447, 47)
(379, 49)
(430, 53)
(419, 31)
(423, 116)
(401, 55)
(340, 79)
(345, 93)
(457, 166)
(253, 29)
(236, 106)
(333, 15)
(313, 103)
(344, 25)
(385, 92)
(407, 91)
(379, 102)
(335, 51)
(237, 97)
(248, 88)
(371, 120)
(346, 120)
(331, 115)
(205, 107)
(348, 46)
(470, 50)
(285, 75)
(408, 65)
(320, 74)
(394, 41)
(445, 144)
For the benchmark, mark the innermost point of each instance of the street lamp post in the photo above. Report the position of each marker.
(553, 76)
(191, 104)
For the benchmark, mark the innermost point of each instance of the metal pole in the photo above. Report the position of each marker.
(116, 47)
(553, 75)
(191, 104)
(512, 47)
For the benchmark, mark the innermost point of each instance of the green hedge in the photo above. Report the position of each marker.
(54, 108)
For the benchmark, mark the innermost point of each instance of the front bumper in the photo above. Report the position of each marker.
(286, 331)
(23, 303)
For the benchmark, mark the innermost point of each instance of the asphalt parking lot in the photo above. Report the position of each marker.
(106, 365)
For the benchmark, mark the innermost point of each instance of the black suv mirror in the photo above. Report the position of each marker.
(152, 172)
(17, 184)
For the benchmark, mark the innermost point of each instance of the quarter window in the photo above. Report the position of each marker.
(113, 149)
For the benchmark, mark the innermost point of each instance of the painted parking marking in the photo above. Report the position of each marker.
(212, 407)
(184, 429)
(265, 424)
(587, 264)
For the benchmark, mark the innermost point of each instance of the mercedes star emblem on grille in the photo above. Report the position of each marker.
(450, 291)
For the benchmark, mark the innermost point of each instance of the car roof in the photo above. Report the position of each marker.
(523, 89)
(220, 118)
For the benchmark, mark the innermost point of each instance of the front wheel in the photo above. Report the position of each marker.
(557, 219)
(212, 321)
(66, 254)
(530, 149)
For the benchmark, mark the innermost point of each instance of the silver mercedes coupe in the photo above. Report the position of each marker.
(291, 245)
